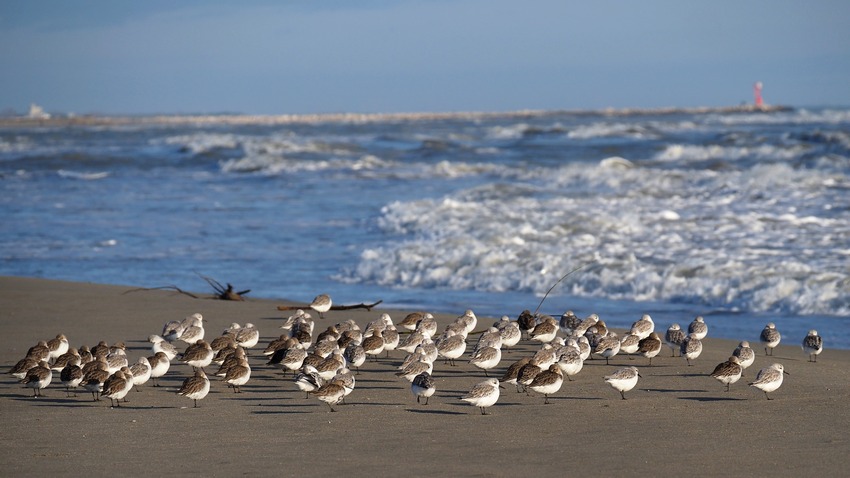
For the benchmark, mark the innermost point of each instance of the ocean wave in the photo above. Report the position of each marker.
(201, 143)
(607, 130)
(800, 116)
(713, 239)
(764, 152)
(275, 144)
(83, 176)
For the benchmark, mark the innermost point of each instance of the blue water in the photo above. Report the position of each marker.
(743, 218)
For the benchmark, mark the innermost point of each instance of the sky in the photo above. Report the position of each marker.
(373, 56)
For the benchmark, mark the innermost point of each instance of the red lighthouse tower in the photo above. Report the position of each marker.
(757, 93)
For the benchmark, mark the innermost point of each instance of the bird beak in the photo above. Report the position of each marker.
(785, 372)
(501, 386)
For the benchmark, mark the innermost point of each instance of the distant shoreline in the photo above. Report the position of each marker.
(238, 119)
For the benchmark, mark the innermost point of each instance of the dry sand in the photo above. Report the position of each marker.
(677, 421)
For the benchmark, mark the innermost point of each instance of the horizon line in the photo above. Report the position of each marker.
(46, 119)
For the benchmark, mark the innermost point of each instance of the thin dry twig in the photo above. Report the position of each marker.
(361, 305)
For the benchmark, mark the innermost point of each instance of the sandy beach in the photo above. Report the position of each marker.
(677, 421)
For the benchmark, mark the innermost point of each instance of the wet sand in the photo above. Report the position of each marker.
(677, 421)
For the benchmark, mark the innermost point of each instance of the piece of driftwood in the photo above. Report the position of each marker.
(333, 307)
(169, 287)
(221, 292)
(224, 293)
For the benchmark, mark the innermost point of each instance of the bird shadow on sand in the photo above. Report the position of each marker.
(48, 401)
(713, 399)
(366, 387)
(678, 375)
(673, 390)
(433, 411)
(369, 404)
(551, 398)
(242, 398)
(281, 319)
(279, 412)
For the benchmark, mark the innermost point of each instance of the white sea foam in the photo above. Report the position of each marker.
(83, 176)
(199, 143)
(709, 242)
(680, 152)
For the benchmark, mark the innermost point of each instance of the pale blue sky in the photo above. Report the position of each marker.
(270, 57)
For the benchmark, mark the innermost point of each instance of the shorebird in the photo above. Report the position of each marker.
(247, 336)
(728, 372)
(746, 355)
(159, 344)
(115, 388)
(512, 374)
(20, 369)
(568, 323)
(373, 345)
(548, 382)
(608, 347)
(321, 304)
(159, 366)
(93, 381)
(526, 322)
(308, 380)
(483, 395)
(770, 337)
(57, 346)
(193, 330)
(486, 358)
(691, 348)
(698, 328)
(422, 386)
(674, 338)
(238, 375)
(527, 373)
(414, 369)
(469, 320)
(141, 372)
(427, 325)
(510, 333)
(650, 346)
(545, 331)
(489, 338)
(451, 347)
(643, 327)
(391, 339)
(410, 320)
(289, 359)
(39, 352)
(623, 380)
(198, 355)
(195, 387)
(769, 379)
(355, 356)
(331, 393)
(38, 378)
(570, 361)
(813, 345)
(71, 377)
(630, 343)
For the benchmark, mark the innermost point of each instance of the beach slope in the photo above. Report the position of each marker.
(677, 420)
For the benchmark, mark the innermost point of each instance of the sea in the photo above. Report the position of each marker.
(738, 215)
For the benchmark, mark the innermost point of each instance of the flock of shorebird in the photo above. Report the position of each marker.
(322, 363)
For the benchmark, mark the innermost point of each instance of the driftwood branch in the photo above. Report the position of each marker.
(334, 307)
(221, 292)
(171, 287)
